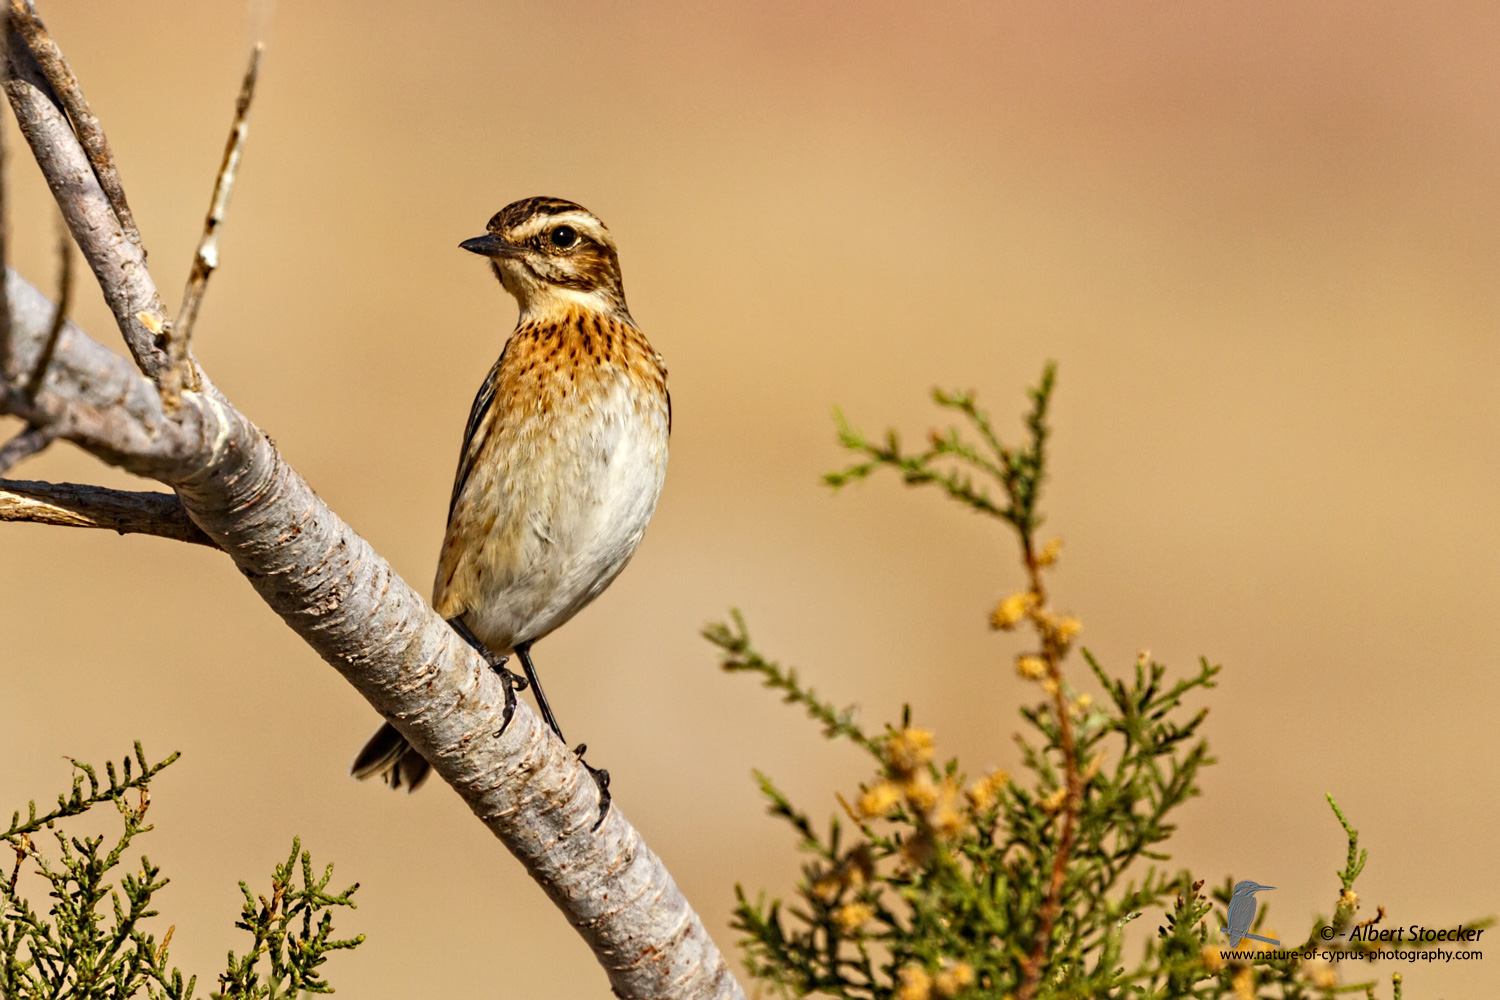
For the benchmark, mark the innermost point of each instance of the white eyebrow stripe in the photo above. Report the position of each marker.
(585, 222)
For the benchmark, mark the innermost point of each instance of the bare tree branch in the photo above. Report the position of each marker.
(90, 134)
(331, 587)
(88, 374)
(118, 262)
(72, 505)
(207, 257)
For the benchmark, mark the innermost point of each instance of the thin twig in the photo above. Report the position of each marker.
(25, 444)
(77, 506)
(36, 437)
(207, 257)
(59, 314)
(90, 133)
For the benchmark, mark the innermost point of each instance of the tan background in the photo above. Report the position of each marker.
(1261, 240)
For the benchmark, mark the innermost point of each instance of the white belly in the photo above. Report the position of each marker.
(577, 492)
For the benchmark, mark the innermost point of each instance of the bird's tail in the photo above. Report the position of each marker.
(390, 756)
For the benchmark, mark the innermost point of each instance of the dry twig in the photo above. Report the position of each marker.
(36, 437)
(74, 506)
(206, 259)
(59, 315)
(25, 444)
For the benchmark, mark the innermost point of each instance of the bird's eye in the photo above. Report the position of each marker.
(564, 237)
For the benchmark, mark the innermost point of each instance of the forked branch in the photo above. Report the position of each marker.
(54, 67)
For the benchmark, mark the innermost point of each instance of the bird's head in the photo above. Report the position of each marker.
(1249, 887)
(552, 255)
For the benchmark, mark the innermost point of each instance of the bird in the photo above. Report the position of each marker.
(1242, 913)
(562, 463)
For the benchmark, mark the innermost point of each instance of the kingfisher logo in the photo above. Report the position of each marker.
(1364, 942)
(1242, 914)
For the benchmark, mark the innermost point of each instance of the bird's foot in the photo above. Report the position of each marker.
(510, 681)
(601, 778)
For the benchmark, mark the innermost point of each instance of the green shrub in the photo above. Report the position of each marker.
(934, 883)
(92, 941)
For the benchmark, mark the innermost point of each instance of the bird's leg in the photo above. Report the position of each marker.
(511, 682)
(599, 774)
(523, 650)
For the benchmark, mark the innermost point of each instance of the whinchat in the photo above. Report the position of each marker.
(562, 460)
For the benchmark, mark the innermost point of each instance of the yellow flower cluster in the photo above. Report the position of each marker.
(1320, 973)
(909, 749)
(1009, 612)
(1048, 555)
(1213, 959)
(878, 800)
(914, 983)
(983, 793)
(827, 888)
(1033, 668)
(852, 916)
(1060, 630)
(937, 803)
(908, 752)
(954, 979)
(921, 792)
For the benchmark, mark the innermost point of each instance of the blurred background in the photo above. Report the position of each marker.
(1260, 240)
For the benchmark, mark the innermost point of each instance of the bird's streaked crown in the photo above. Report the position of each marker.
(553, 254)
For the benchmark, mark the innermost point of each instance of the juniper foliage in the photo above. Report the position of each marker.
(931, 884)
(92, 943)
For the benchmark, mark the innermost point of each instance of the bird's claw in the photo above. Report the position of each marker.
(512, 683)
(601, 779)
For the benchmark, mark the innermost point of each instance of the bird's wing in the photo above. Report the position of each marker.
(476, 430)
(662, 364)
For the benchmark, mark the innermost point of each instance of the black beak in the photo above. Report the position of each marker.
(489, 245)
